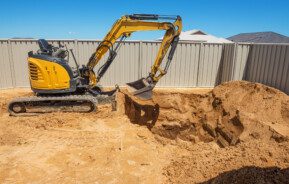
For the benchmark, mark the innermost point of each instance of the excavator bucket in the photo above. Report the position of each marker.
(141, 88)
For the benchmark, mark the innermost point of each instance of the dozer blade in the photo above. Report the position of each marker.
(141, 88)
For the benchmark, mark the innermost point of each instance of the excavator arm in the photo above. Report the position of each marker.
(123, 28)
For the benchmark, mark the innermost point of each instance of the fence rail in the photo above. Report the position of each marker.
(194, 64)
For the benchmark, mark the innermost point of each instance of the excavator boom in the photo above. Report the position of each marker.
(123, 28)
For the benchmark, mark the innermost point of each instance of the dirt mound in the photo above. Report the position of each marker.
(230, 113)
(254, 117)
(256, 103)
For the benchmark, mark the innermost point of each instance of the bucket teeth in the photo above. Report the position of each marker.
(141, 88)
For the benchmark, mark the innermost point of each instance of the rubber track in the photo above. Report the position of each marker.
(36, 101)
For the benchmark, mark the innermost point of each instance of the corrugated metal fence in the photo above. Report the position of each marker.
(194, 64)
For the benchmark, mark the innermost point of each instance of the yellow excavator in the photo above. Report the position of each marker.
(59, 87)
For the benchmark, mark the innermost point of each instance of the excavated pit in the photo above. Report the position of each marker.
(189, 117)
(220, 116)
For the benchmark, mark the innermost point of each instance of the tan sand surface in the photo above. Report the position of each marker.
(236, 133)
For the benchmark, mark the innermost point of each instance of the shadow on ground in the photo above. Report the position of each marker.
(252, 174)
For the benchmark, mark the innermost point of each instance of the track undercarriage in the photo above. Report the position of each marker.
(34, 105)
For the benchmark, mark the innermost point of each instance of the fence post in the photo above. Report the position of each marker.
(234, 61)
(11, 63)
(76, 49)
(140, 60)
(200, 58)
(248, 62)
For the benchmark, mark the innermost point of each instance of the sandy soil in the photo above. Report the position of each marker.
(236, 133)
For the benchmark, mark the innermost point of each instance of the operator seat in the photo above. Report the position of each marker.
(45, 47)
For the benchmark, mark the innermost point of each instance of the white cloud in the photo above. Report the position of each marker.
(71, 32)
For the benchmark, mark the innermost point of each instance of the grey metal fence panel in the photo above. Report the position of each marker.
(233, 64)
(188, 59)
(149, 52)
(226, 69)
(240, 59)
(269, 64)
(85, 49)
(185, 63)
(183, 69)
(5, 68)
(194, 64)
(19, 57)
(124, 68)
(209, 64)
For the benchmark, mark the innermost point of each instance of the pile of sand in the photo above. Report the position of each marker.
(230, 113)
(251, 120)
(248, 121)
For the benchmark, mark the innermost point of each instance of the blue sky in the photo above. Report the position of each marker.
(91, 19)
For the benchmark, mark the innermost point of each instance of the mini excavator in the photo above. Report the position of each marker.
(60, 87)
